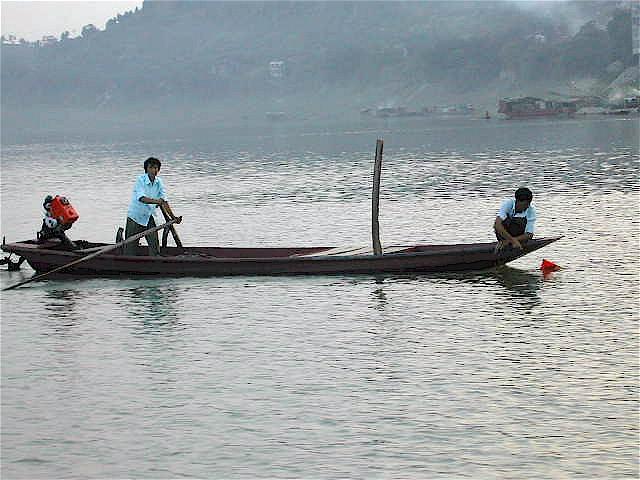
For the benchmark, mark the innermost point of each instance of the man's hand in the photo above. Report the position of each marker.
(515, 243)
(167, 210)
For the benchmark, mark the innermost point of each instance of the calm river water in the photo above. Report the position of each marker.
(497, 374)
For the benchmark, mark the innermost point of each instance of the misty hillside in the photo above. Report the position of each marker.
(204, 52)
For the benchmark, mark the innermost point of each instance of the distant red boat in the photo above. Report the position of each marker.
(528, 107)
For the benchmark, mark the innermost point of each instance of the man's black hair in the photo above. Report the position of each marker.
(524, 194)
(151, 161)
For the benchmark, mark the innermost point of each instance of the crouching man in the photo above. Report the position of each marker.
(516, 219)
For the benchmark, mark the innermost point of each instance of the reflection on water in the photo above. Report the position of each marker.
(62, 303)
(521, 286)
(62, 313)
(152, 306)
(516, 282)
(378, 294)
(380, 298)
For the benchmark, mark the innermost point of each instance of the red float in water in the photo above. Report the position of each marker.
(548, 266)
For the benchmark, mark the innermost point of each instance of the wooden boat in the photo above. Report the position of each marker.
(217, 261)
(52, 256)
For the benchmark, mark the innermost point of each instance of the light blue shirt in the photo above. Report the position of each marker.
(141, 212)
(508, 209)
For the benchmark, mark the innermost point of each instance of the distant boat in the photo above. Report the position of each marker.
(276, 116)
(386, 112)
(527, 107)
(393, 112)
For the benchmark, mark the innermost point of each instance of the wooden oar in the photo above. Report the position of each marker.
(172, 229)
(106, 249)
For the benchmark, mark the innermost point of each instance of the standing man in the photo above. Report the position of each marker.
(148, 194)
(516, 219)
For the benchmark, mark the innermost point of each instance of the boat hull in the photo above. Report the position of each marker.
(209, 261)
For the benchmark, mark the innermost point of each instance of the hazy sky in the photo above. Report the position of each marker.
(33, 19)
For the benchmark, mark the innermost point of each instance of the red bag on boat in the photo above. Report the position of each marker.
(63, 211)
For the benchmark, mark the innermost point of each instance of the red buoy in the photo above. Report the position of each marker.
(548, 266)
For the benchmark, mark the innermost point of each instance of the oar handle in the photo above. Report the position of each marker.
(168, 215)
(106, 249)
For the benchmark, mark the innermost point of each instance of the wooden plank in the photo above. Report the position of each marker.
(349, 251)
(331, 251)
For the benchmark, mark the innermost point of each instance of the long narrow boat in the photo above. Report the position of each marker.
(217, 261)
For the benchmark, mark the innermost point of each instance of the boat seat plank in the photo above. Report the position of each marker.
(342, 251)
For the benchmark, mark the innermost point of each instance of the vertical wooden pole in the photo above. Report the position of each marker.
(375, 199)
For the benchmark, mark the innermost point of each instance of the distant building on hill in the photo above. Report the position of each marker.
(10, 40)
(276, 69)
(48, 40)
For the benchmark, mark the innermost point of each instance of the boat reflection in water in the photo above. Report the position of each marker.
(154, 307)
(520, 287)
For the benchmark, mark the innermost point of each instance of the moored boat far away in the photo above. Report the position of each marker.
(528, 107)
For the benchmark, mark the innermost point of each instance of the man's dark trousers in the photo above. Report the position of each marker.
(133, 228)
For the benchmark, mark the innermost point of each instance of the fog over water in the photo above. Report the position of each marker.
(245, 64)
